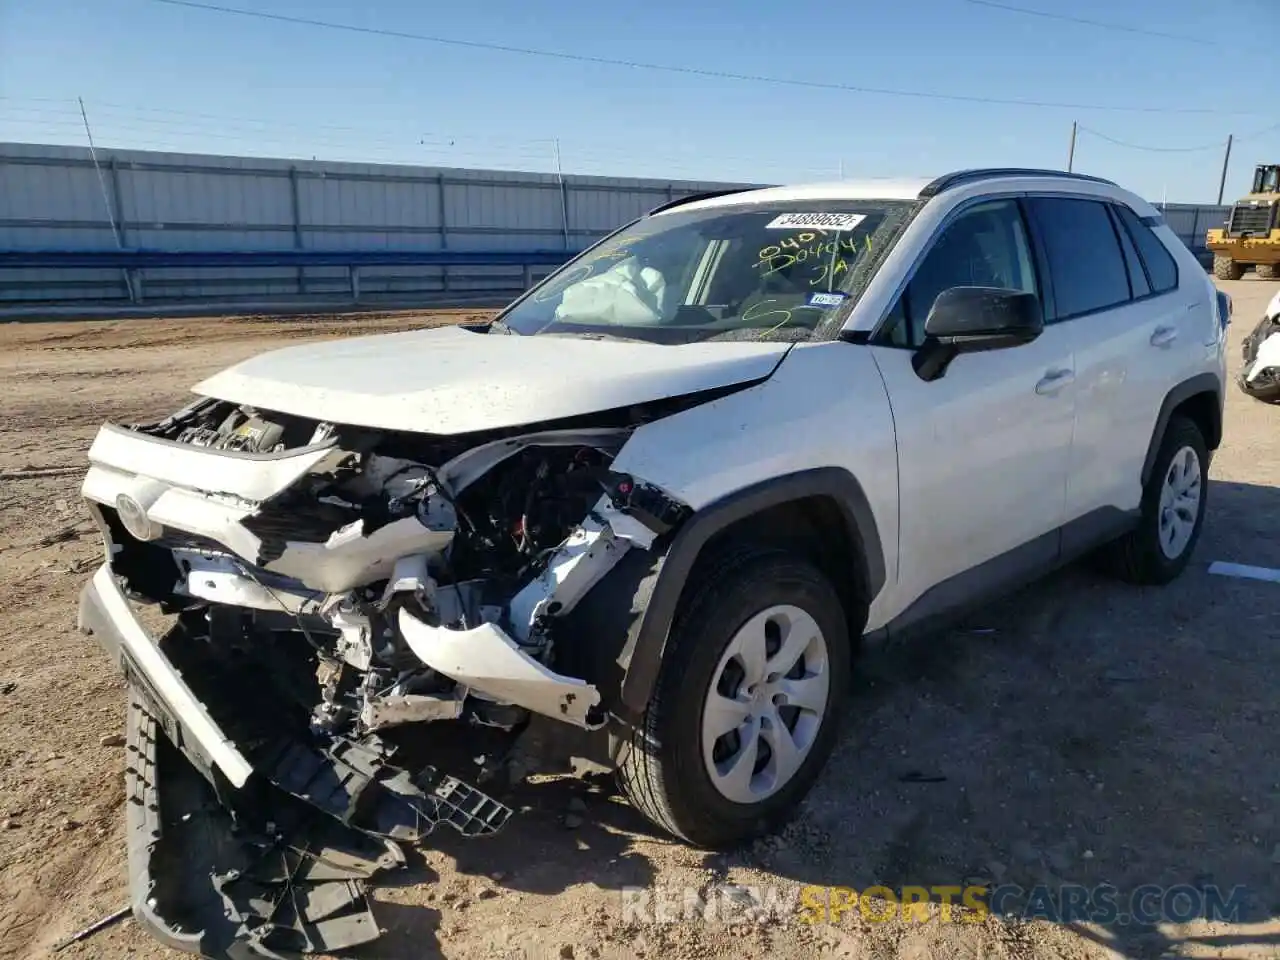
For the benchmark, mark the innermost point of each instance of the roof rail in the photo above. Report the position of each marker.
(694, 197)
(947, 181)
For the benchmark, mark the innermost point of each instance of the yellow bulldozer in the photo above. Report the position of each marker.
(1251, 234)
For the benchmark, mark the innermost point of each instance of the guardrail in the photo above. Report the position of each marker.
(133, 263)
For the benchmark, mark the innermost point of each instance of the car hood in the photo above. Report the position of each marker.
(449, 380)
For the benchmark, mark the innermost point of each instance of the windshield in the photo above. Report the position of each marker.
(1266, 180)
(778, 271)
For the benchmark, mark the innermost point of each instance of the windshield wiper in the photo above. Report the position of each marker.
(592, 336)
(498, 326)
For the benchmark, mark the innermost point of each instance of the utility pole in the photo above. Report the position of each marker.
(102, 181)
(1071, 151)
(1222, 184)
(564, 193)
(106, 200)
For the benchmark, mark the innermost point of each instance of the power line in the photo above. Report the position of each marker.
(229, 129)
(43, 116)
(63, 110)
(133, 111)
(1148, 149)
(458, 145)
(582, 160)
(686, 70)
(1067, 18)
(371, 141)
(1216, 145)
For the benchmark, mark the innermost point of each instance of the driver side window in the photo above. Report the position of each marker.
(986, 246)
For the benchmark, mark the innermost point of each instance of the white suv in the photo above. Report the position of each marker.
(647, 513)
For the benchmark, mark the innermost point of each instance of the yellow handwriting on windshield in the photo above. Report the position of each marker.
(827, 254)
(766, 308)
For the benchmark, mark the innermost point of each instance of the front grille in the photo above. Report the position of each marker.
(1248, 220)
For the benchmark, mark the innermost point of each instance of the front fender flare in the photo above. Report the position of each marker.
(641, 656)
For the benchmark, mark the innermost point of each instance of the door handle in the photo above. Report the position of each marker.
(1163, 336)
(1053, 381)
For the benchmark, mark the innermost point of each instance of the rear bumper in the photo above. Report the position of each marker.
(106, 615)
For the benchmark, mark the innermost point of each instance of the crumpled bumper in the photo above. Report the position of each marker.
(106, 615)
(260, 851)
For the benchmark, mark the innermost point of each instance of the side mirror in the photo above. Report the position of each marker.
(976, 319)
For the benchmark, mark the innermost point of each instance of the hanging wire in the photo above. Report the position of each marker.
(686, 69)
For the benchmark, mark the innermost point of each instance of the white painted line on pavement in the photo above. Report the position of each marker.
(1244, 571)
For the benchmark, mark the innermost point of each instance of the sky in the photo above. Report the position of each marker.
(1169, 79)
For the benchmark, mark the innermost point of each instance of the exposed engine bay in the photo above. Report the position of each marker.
(421, 573)
(330, 587)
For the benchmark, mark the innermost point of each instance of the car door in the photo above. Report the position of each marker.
(1125, 322)
(1175, 324)
(983, 451)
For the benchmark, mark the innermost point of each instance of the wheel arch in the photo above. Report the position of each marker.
(828, 507)
(1200, 399)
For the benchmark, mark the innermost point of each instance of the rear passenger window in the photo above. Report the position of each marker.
(1137, 274)
(1162, 269)
(1085, 259)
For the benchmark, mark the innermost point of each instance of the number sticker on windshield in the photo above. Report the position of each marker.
(825, 299)
(820, 221)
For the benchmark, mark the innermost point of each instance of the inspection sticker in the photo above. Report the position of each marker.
(817, 221)
(826, 299)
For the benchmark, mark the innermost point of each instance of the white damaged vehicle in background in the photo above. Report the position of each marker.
(636, 524)
(1259, 375)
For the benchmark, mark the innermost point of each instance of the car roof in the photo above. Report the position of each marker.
(873, 189)
(886, 188)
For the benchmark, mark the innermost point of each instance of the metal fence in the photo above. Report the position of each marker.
(1190, 221)
(316, 229)
(404, 224)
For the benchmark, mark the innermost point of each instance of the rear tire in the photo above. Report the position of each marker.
(1265, 271)
(1224, 268)
(680, 772)
(1173, 504)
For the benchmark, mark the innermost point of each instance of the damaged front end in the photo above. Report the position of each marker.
(330, 590)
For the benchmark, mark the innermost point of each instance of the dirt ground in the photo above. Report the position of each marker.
(1082, 731)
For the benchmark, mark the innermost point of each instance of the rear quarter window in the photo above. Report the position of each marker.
(1162, 269)
(1138, 282)
(1086, 262)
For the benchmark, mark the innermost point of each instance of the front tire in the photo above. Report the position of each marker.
(746, 707)
(1265, 271)
(1224, 268)
(1173, 506)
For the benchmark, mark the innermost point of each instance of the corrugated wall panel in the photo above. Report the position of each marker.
(51, 198)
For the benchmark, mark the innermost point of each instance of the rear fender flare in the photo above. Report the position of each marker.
(1200, 383)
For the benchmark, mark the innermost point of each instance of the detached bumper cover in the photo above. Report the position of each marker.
(105, 613)
(142, 829)
(490, 663)
(261, 851)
